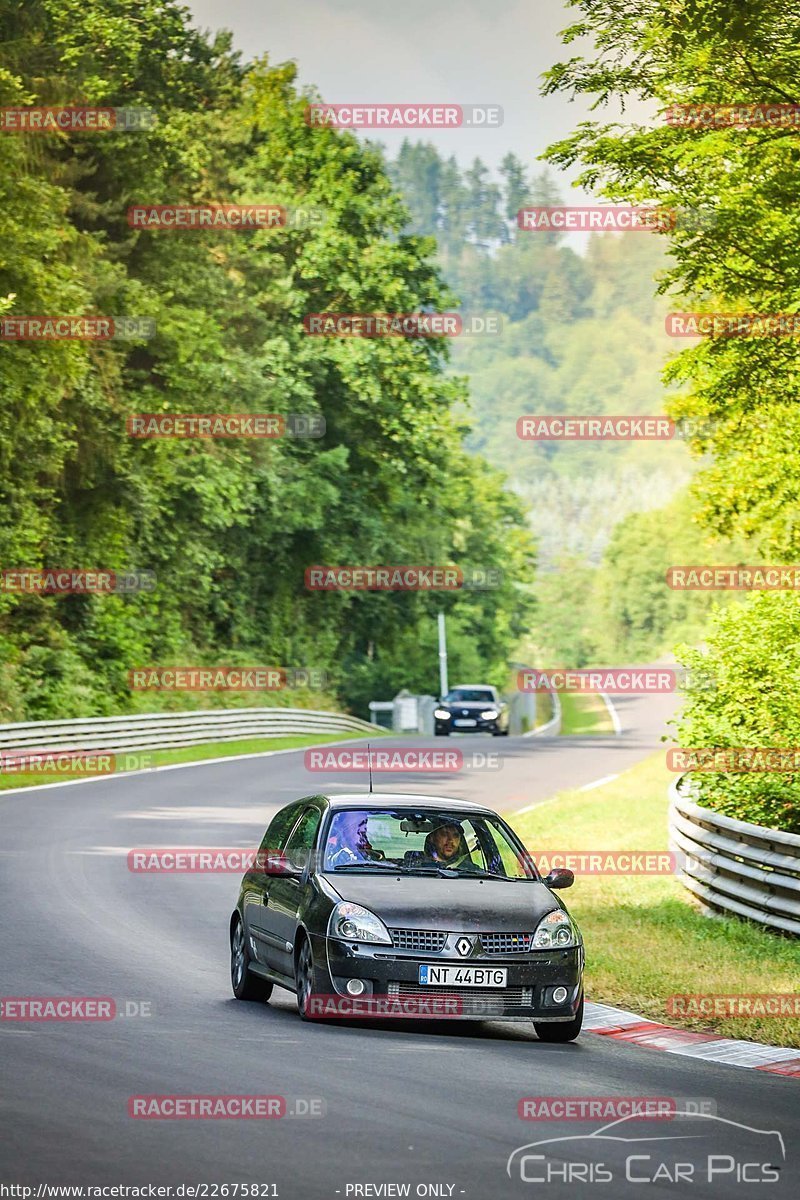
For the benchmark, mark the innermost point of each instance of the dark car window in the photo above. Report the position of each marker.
(470, 695)
(301, 840)
(280, 827)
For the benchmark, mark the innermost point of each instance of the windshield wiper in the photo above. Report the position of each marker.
(370, 864)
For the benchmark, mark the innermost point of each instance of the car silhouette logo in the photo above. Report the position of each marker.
(464, 946)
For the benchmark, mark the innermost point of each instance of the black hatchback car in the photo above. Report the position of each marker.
(471, 708)
(406, 905)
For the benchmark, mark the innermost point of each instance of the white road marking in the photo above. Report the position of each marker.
(587, 787)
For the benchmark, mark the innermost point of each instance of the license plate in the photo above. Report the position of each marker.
(453, 976)
(471, 723)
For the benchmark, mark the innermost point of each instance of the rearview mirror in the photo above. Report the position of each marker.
(559, 877)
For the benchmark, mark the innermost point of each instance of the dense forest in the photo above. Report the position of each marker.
(583, 333)
(227, 526)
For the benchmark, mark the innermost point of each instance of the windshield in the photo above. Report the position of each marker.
(424, 841)
(467, 695)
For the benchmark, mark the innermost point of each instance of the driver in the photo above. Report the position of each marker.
(447, 845)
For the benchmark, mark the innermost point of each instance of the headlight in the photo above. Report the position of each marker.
(353, 923)
(490, 714)
(555, 930)
(441, 714)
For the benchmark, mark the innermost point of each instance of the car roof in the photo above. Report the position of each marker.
(409, 800)
(486, 686)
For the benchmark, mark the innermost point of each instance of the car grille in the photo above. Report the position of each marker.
(506, 943)
(479, 1002)
(430, 941)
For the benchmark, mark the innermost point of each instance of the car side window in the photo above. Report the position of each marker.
(279, 829)
(298, 848)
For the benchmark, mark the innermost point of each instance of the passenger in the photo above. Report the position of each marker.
(447, 845)
(348, 841)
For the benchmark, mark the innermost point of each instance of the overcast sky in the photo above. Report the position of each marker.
(409, 51)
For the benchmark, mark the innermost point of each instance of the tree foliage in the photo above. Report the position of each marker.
(228, 526)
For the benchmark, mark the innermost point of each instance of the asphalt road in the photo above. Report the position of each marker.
(432, 1104)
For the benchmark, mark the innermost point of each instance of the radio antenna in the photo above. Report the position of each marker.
(369, 763)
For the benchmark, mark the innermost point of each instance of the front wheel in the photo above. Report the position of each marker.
(310, 981)
(441, 733)
(246, 986)
(560, 1031)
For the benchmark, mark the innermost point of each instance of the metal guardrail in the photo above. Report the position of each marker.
(552, 727)
(735, 867)
(161, 731)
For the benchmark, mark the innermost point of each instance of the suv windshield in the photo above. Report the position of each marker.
(423, 841)
(467, 695)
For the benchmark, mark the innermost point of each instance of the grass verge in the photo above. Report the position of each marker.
(646, 939)
(139, 759)
(584, 713)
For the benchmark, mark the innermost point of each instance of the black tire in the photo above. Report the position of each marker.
(246, 986)
(560, 1031)
(441, 733)
(310, 980)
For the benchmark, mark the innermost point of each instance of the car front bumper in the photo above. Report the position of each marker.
(392, 976)
(480, 726)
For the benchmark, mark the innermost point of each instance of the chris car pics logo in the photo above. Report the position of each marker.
(698, 1148)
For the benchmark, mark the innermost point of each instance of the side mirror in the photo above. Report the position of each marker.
(559, 877)
(277, 864)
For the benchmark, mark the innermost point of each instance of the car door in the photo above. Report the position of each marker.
(256, 895)
(285, 892)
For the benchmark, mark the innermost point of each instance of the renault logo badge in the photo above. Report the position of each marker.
(464, 946)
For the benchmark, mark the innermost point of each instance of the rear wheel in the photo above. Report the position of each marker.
(246, 986)
(560, 1031)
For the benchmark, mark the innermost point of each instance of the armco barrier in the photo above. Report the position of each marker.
(160, 731)
(734, 867)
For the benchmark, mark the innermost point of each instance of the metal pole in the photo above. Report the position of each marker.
(443, 688)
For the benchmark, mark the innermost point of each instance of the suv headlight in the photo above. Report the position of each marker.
(353, 923)
(555, 930)
(441, 714)
(490, 714)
